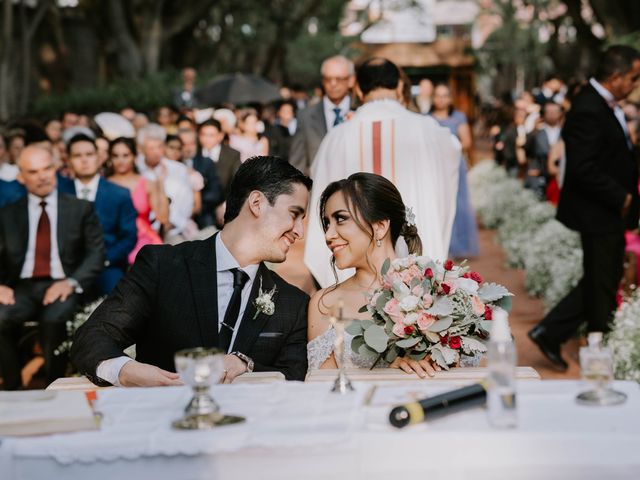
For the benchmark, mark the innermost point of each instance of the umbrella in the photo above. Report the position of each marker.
(114, 125)
(238, 88)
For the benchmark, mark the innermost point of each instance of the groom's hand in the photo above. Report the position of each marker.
(233, 367)
(136, 374)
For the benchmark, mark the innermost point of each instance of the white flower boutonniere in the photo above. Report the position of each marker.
(264, 301)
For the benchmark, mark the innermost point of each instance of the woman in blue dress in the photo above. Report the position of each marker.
(464, 235)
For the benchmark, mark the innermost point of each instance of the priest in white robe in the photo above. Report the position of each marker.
(420, 157)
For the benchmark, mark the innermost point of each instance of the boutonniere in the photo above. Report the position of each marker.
(264, 301)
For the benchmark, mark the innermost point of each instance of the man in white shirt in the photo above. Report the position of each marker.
(314, 122)
(419, 156)
(174, 176)
(51, 250)
(203, 293)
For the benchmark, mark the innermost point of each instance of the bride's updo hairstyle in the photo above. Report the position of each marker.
(374, 199)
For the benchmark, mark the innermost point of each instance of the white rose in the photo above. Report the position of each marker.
(409, 303)
(411, 318)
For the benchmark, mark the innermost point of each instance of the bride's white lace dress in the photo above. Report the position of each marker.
(321, 347)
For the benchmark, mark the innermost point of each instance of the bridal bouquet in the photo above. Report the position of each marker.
(427, 307)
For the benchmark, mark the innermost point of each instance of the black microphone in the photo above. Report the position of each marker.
(438, 406)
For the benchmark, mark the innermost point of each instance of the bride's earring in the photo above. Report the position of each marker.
(378, 242)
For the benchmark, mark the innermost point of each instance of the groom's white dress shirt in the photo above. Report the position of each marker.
(109, 370)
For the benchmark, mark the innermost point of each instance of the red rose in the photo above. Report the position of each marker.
(408, 330)
(475, 276)
(428, 273)
(454, 342)
(448, 265)
(444, 340)
(488, 313)
(446, 288)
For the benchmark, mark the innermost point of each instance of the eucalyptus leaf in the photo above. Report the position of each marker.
(420, 347)
(432, 336)
(450, 356)
(366, 324)
(440, 325)
(442, 307)
(367, 352)
(391, 355)
(363, 309)
(505, 303)
(356, 343)
(382, 301)
(408, 342)
(490, 292)
(376, 338)
(417, 355)
(355, 328)
(385, 267)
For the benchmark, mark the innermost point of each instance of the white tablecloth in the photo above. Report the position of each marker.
(300, 431)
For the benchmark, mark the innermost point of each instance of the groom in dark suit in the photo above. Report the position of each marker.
(599, 199)
(203, 293)
(51, 250)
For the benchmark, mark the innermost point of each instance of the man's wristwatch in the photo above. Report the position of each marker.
(245, 359)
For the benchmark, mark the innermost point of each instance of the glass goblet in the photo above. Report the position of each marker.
(342, 384)
(200, 368)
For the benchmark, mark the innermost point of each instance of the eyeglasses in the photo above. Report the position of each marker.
(335, 79)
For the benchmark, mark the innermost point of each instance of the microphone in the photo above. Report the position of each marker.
(439, 406)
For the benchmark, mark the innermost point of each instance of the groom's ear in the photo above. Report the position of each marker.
(255, 202)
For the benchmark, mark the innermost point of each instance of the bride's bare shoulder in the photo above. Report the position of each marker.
(321, 305)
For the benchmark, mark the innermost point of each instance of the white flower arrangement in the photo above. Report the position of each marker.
(550, 253)
(624, 339)
(264, 301)
(78, 320)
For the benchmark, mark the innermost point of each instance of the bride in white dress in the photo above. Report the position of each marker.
(364, 220)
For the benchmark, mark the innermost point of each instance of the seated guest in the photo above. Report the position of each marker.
(51, 249)
(248, 140)
(153, 164)
(113, 206)
(202, 294)
(10, 192)
(174, 150)
(8, 171)
(148, 196)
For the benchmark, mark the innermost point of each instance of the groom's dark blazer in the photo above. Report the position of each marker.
(169, 301)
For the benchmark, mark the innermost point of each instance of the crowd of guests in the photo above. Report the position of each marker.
(527, 137)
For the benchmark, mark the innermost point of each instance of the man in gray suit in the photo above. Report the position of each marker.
(314, 122)
(51, 249)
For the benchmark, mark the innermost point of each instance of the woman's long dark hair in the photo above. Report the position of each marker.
(372, 198)
(127, 142)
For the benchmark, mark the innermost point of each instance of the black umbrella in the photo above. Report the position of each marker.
(239, 89)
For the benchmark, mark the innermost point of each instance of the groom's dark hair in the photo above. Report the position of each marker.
(270, 175)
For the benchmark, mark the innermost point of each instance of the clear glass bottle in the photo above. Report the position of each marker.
(502, 359)
(596, 364)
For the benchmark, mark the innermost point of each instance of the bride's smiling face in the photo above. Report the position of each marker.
(346, 240)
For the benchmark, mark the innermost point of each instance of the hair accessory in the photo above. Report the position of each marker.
(409, 216)
(378, 242)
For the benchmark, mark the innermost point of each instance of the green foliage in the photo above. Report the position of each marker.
(143, 95)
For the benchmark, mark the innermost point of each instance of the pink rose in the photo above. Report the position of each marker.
(374, 299)
(392, 308)
(477, 305)
(410, 273)
(398, 330)
(427, 300)
(425, 321)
